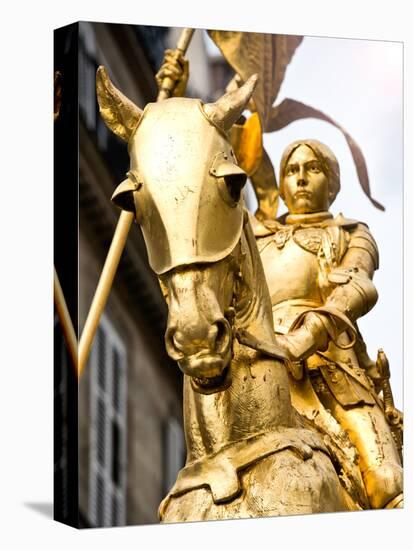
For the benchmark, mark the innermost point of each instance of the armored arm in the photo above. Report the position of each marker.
(352, 295)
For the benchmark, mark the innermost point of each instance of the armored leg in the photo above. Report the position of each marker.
(379, 459)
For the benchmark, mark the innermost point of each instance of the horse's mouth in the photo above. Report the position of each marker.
(212, 384)
(209, 373)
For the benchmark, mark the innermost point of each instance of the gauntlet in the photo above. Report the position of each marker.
(353, 296)
(310, 336)
(176, 67)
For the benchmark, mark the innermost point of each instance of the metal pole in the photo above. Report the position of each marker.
(104, 286)
(65, 321)
(169, 83)
(118, 242)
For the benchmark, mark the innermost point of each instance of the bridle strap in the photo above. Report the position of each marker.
(247, 339)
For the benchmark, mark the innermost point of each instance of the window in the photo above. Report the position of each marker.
(108, 415)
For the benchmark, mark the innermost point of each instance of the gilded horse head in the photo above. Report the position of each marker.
(185, 188)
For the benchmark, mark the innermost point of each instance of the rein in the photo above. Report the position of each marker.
(245, 338)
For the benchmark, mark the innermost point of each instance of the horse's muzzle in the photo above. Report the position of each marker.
(209, 373)
(202, 365)
(203, 344)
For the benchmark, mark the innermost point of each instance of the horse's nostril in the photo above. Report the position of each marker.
(173, 347)
(223, 335)
(177, 340)
(215, 338)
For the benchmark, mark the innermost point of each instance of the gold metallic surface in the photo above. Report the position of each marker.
(269, 55)
(65, 321)
(68, 330)
(280, 421)
(246, 139)
(266, 189)
(290, 110)
(319, 272)
(228, 108)
(119, 113)
(173, 191)
(122, 117)
(103, 288)
(394, 417)
(265, 54)
(168, 82)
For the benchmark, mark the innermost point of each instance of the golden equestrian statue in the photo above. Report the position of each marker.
(260, 440)
(319, 271)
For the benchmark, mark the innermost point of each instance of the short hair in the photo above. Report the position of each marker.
(326, 157)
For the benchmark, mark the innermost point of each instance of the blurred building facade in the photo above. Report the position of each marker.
(129, 424)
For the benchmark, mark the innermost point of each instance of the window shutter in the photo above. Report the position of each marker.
(108, 421)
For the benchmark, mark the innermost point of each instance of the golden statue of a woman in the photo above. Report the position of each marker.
(319, 271)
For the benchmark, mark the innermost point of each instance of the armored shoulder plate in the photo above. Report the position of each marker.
(345, 223)
(261, 230)
(359, 236)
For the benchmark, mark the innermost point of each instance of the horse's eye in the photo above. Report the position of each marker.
(235, 183)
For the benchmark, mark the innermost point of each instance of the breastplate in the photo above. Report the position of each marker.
(292, 269)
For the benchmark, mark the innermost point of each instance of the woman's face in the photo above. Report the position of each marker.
(305, 184)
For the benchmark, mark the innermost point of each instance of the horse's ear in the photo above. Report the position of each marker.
(228, 108)
(119, 113)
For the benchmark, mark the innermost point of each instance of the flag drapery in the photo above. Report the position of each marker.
(269, 55)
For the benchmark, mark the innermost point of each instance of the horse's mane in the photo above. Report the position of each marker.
(254, 312)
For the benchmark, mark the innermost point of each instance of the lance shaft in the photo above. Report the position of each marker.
(119, 239)
(65, 321)
(104, 286)
(62, 310)
(168, 83)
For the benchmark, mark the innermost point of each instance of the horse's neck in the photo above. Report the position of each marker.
(252, 299)
(258, 399)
